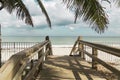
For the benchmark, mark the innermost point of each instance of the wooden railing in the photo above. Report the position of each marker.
(79, 47)
(21, 66)
(10, 48)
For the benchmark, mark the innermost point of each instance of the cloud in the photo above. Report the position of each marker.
(62, 21)
(58, 13)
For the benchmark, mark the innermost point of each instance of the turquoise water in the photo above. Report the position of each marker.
(59, 40)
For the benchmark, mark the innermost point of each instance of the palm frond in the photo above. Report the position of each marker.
(118, 2)
(2, 5)
(21, 10)
(44, 12)
(91, 11)
(107, 1)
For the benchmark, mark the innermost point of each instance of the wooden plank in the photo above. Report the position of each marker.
(94, 62)
(0, 48)
(21, 69)
(30, 75)
(81, 46)
(14, 67)
(11, 68)
(114, 70)
(108, 49)
(68, 68)
(104, 48)
(49, 46)
(74, 47)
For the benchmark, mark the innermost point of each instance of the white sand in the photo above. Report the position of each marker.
(61, 50)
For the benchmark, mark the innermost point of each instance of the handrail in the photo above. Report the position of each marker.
(95, 47)
(105, 48)
(14, 68)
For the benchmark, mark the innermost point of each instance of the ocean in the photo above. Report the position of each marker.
(61, 40)
(64, 41)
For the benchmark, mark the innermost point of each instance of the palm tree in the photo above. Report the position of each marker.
(22, 11)
(91, 11)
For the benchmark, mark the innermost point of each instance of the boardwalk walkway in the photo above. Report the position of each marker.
(68, 68)
(28, 64)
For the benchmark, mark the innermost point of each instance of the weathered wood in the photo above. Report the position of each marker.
(74, 47)
(118, 77)
(49, 46)
(105, 48)
(21, 69)
(0, 48)
(68, 68)
(111, 68)
(30, 75)
(75, 50)
(81, 46)
(94, 62)
(40, 54)
(15, 66)
(10, 68)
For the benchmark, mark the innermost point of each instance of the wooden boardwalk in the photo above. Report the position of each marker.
(22, 65)
(68, 68)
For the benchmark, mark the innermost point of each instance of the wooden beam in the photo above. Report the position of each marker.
(105, 48)
(73, 48)
(49, 46)
(111, 68)
(94, 62)
(14, 67)
(0, 48)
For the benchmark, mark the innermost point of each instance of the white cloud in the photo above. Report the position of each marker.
(59, 15)
(57, 12)
(115, 30)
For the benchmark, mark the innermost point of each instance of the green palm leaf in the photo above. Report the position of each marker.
(1, 4)
(118, 2)
(21, 10)
(91, 11)
(45, 12)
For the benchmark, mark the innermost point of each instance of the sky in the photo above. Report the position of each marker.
(62, 21)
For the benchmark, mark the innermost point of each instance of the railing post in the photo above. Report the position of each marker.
(20, 78)
(81, 47)
(73, 48)
(0, 48)
(40, 53)
(118, 77)
(94, 63)
(49, 46)
(14, 46)
(82, 53)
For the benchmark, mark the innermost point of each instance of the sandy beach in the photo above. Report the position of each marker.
(62, 49)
